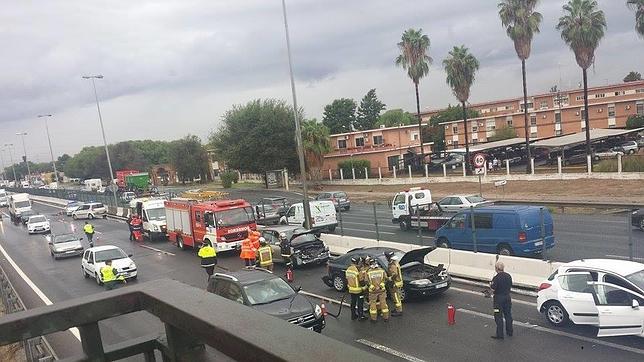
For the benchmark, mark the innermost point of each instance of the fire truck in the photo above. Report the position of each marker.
(225, 223)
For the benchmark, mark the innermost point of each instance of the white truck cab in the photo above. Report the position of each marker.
(405, 203)
(4, 198)
(152, 213)
(18, 203)
(323, 216)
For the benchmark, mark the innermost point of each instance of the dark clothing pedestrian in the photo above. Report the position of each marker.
(357, 307)
(502, 303)
(129, 220)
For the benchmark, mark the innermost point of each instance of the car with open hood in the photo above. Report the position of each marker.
(299, 246)
(419, 278)
(266, 292)
(64, 245)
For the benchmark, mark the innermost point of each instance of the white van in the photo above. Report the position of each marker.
(18, 203)
(152, 213)
(322, 212)
(406, 203)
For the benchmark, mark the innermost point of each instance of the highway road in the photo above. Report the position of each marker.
(422, 334)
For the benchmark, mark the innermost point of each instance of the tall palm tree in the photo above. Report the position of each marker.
(521, 22)
(582, 27)
(461, 67)
(414, 59)
(316, 143)
(638, 6)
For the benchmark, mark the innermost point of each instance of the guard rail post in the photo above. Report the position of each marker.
(379, 174)
(473, 229)
(543, 234)
(444, 170)
(619, 163)
(375, 220)
(366, 173)
(353, 173)
(394, 168)
(559, 165)
(330, 175)
(341, 174)
(409, 168)
(507, 167)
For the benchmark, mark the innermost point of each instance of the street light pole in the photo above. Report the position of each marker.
(298, 128)
(13, 167)
(24, 148)
(100, 119)
(51, 151)
(4, 176)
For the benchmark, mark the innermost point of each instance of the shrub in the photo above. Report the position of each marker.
(227, 178)
(632, 163)
(358, 165)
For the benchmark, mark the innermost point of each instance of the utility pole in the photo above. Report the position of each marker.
(24, 148)
(51, 151)
(13, 166)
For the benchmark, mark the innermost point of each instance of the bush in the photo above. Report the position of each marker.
(227, 178)
(635, 121)
(633, 163)
(358, 165)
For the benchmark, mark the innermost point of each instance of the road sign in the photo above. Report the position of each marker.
(479, 160)
(479, 171)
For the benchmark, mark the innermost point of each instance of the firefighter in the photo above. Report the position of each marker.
(110, 276)
(355, 284)
(246, 253)
(394, 276)
(265, 255)
(137, 227)
(363, 268)
(376, 277)
(89, 232)
(208, 256)
(254, 244)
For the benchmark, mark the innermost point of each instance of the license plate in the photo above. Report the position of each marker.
(441, 285)
(538, 243)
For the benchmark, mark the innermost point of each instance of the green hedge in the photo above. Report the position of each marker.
(358, 165)
(227, 178)
(633, 163)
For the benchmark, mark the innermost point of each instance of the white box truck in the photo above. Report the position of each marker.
(152, 213)
(18, 203)
(93, 184)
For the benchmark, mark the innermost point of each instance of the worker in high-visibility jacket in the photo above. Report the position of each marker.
(377, 292)
(265, 255)
(110, 276)
(89, 233)
(208, 256)
(247, 253)
(395, 282)
(356, 287)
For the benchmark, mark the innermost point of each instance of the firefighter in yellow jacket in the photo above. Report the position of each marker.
(265, 255)
(394, 276)
(356, 287)
(377, 277)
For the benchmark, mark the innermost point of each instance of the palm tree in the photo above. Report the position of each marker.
(582, 27)
(521, 22)
(414, 59)
(461, 66)
(315, 140)
(638, 6)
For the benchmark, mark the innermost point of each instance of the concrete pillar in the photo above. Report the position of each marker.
(341, 174)
(589, 164)
(330, 175)
(485, 169)
(353, 173)
(464, 172)
(379, 174)
(426, 171)
(507, 167)
(559, 165)
(286, 178)
(409, 168)
(394, 171)
(444, 170)
(619, 163)
(532, 166)
(366, 173)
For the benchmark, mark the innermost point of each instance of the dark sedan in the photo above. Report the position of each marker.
(637, 219)
(419, 278)
(25, 215)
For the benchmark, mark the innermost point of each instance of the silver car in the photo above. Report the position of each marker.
(64, 245)
(90, 210)
(454, 203)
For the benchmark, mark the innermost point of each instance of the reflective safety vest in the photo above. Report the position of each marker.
(246, 251)
(395, 274)
(107, 274)
(376, 279)
(353, 280)
(265, 256)
(208, 256)
(88, 229)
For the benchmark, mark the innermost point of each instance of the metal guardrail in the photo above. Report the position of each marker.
(192, 319)
(36, 349)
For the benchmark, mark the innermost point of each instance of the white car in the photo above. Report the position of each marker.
(455, 203)
(605, 293)
(90, 210)
(94, 259)
(323, 216)
(604, 154)
(71, 207)
(38, 224)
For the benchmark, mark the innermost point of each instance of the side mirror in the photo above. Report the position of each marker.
(636, 304)
(130, 255)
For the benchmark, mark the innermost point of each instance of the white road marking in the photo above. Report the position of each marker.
(388, 350)
(517, 301)
(559, 333)
(623, 257)
(157, 250)
(369, 231)
(34, 287)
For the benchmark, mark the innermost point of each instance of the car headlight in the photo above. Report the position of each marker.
(420, 282)
(132, 265)
(318, 311)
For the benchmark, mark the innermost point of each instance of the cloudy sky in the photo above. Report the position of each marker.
(173, 67)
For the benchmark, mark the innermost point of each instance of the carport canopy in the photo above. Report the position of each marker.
(576, 139)
(492, 145)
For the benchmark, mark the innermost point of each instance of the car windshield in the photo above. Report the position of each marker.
(157, 214)
(59, 239)
(637, 278)
(34, 219)
(19, 204)
(475, 199)
(234, 217)
(303, 239)
(109, 254)
(268, 291)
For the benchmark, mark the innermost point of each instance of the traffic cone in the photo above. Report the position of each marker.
(289, 273)
(451, 315)
(324, 311)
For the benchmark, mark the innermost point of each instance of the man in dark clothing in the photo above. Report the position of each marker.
(129, 220)
(502, 303)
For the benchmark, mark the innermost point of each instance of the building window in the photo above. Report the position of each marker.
(544, 105)
(414, 136)
(640, 109)
(508, 120)
(393, 161)
(560, 100)
(620, 93)
(533, 119)
(558, 117)
(475, 128)
(530, 106)
(580, 98)
(611, 111)
(342, 143)
(641, 90)
(600, 95)
(558, 132)
(490, 125)
(359, 142)
(533, 134)
(582, 113)
(378, 140)
(455, 144)
(454, 129)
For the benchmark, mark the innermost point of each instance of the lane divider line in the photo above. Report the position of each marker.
(389, 350)
(34, 287)
(559, 333)
(157, 250)
(518, 301)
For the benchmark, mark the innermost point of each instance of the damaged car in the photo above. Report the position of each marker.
(419, 278)
(295, 245)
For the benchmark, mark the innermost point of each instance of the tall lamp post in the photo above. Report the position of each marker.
(4, 176)
(100, 120)
(13, 166)
(51, 151)
(24, 148)
(298, 128)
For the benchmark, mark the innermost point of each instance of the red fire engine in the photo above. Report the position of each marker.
(225, 223)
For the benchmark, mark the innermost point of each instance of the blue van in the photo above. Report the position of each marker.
(506, 230)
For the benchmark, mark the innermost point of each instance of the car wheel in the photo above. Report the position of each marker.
(403, 225)
(74, 217)
(556, 314)
(53, 255)
(642, 224)
(630, 152)
(98, 279)
(504, 249)
(596, 158)
(442, 243)
(91, 216)
(180, 243)
(403, 294)
(85, 275)
(338, 283)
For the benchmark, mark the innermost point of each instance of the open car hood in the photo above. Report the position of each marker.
(416, 255)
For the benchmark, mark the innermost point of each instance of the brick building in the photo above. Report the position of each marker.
(550, 114)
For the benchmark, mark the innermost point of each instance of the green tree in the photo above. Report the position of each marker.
(257, 137)
(394, 118)
(413, 58)
(632, 77)
(369, 111)
(521, 22)
(638, 6)
(436, 130)
(635, 121)
(582, 27)
(340, 115)
(461, 67)
(503, 133)
(315, 139)
(189, 158)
